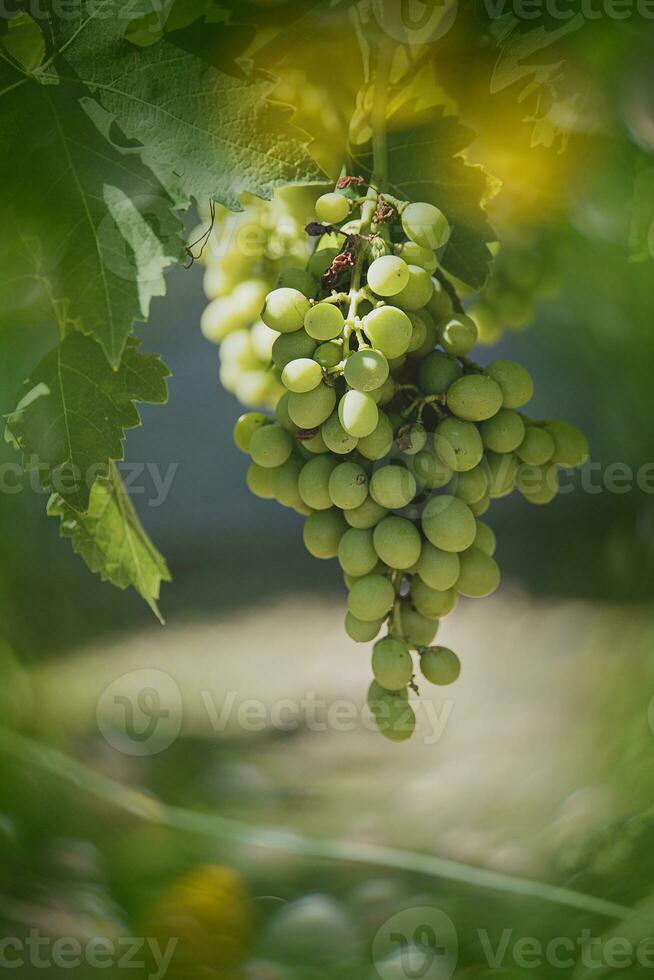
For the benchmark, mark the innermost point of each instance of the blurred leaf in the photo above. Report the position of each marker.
(24, 41)
(641, 234)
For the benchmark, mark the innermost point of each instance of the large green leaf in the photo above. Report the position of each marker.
(111, 539)
(74, 410)
(426, 163)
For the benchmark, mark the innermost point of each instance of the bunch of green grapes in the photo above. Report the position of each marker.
(245, 255)
(389, 439)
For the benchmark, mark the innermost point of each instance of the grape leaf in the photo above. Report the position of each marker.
(74, 410)
(425, 163)
(87, 229)
(111, 539)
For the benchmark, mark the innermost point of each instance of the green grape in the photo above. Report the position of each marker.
(397, 542)
(259, 481)
(440, 665)
(220, 318)
(378, 693)
(313, 482)
(311, 408)
(515, 382)
(371, 597)
(323, 532)
(388, 275)
(481, 506)
(501, 471)
(324, 321)
(285, 483)
(356, 552)
(263, 338)
(474, 398)
(418, 290)
(471, 486)
(328, 355)
(417, 629)
(378, 444)
(417, 255)
(426, 225)
(394, 716)
(392, 487)
(249, 297)
(537, 447)
(315, 445)
(290, 346)
(348, 485)
(321, 261)
(359, 631)
(438, 569)
(395, 363)
(458, 444)
(504, 432)
(237, 349)
(332, 208)
(254, 388)
(285, 310)
(246, 426)
(358, 413)
(366, 370)
(418, 332)
(282, 416)
(538, 484)
(368, 514)
(438, 372)
(479, 576)
(485, 539)
(430, 472)
(431, 603)
(386, 393)
(570, 445)
(302, 374)
(389, 330)
(459, 335)
(440, 304)
(448, 523)
(413, 440)
(392, 664)
(270, 445)
(299, 279)
(336, 438)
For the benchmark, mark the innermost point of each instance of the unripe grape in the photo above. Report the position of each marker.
(481, 506)
(336, 438)
(438, 569)
(378, 444)
(322, 533)
(310, 408)
(259, 481)
(438, 372)
(366, 369)
(504, 432)
(448, 523)
(474, 398)
(417, 630)
(328, 355)
(358, 413)
(289, 346)
(282, 416)
(570, 445)
(356, 553)
(220, 318)
(485, 539)
(538, 484)
(458, 444)
(321, 261)
(366, 515)
(388, 275)
(254, 388)
(459, 335)
(270, 445)
(397, 542)
(440, 665)
(515, 382)
(394, 716)
(418, 290)
(302, 374)
(479, 575)
(392, 664)
(431, 336)
(440, 304)
(285, 310)
(501, 471)
(371, 597)
(245, 428)
(313, 446)
(348, 485)
(359, 631)
(418, 332)
(313, 482)
(299, 279)
(537, 446)
(431, 603)
(377, 693)
(324, 321)
(386, 393)
(249, 297)
(413, 440)
(430, 471)
(414, 254)
(285, 483)
(426, 225)
(392, 487)
(332, 208)
(389, 330)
